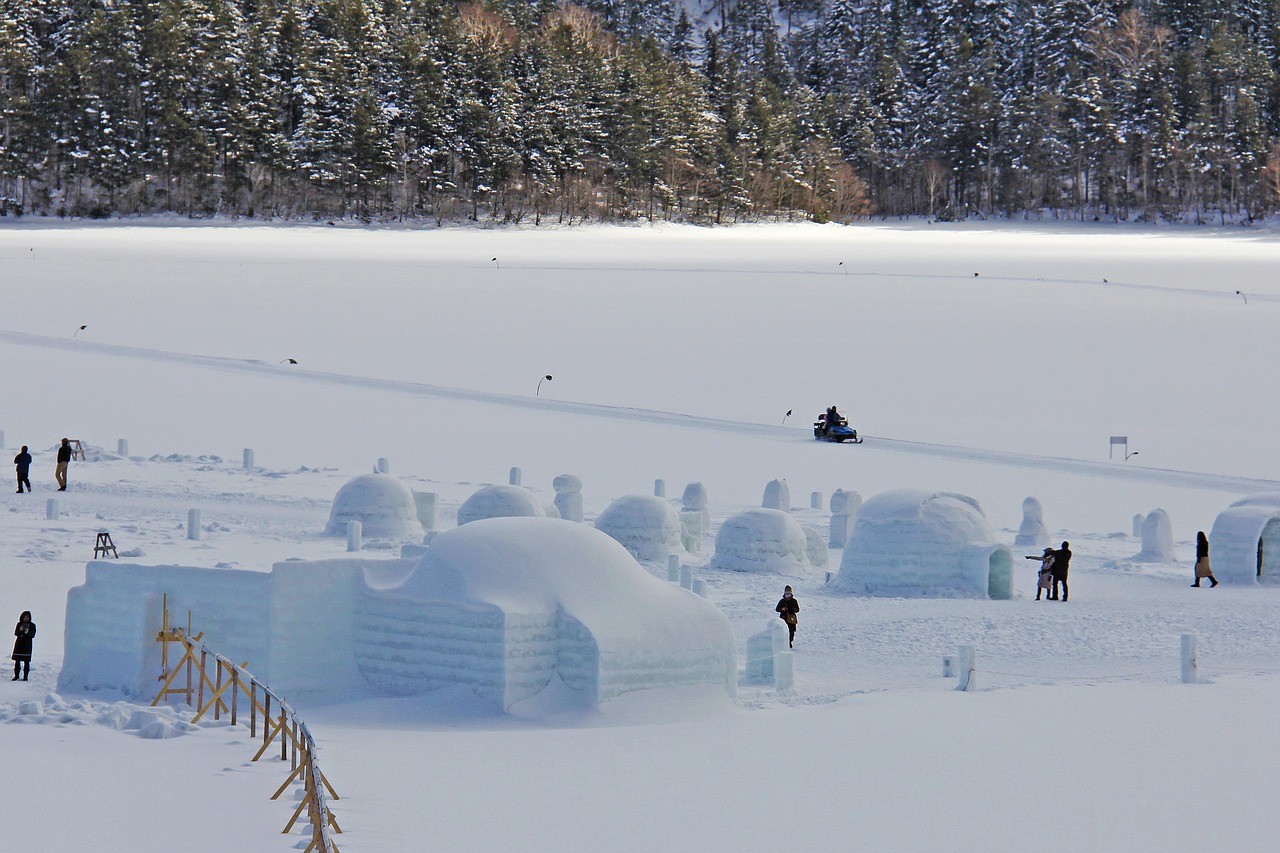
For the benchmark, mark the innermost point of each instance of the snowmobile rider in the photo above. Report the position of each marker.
(834, 418)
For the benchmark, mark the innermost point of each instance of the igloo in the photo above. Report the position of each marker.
(910, 543)
(384, 506)
(504, 606)
(499, 502)
(645, 525)
(1244, 544)
(762, 540)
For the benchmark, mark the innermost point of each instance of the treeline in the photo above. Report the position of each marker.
(724, 110)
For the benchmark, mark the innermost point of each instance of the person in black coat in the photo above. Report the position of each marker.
(788, 608)
(1202, 561)
(1061, 561)
(23, 461)
(25, 632)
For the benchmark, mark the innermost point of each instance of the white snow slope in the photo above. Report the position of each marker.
(990, 361)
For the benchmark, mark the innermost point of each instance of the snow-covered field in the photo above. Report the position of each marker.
(993, 362)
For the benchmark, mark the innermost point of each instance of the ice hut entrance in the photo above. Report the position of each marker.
(1000, 575)
(1269, 553)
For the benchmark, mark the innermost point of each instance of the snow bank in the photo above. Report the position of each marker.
(159, 723)
(384, 506)
(1244, 544)
(911, 542)
(762, 540)
(505, 606)
(499, 502)
(645, 525)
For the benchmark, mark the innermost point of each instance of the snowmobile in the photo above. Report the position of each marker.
(839, 431)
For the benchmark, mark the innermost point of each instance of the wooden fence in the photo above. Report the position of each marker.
(222, 693)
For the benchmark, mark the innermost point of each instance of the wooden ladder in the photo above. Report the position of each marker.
(103, 545)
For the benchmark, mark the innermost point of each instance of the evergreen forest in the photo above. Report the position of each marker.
(707, 111)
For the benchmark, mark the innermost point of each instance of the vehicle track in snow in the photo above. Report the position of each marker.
(877, 444)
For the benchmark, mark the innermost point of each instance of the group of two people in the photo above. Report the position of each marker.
(1053, 571)
(23, 463)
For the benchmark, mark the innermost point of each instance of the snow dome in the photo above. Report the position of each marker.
(912, 542)
(646, 526)
(499, 502)
(505, 606)
(762, 540)
(383, 505)
(1244, 545)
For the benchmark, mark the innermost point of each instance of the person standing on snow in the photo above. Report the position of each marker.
(1202, 561)
(64, 459)
(23, 462)
(1044, 577)
(788, 608)
(25, 631)
(1061, 561)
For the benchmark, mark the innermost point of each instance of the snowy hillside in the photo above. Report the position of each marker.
(992, 363)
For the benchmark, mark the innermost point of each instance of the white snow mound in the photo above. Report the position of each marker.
(383, 505)
(645, 525)
(762, 540)
(909, 542)
(499, 502)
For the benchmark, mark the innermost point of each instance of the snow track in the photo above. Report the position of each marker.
(1066, 465)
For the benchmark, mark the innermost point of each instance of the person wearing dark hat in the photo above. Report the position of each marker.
(788, 608)
(1061, 561)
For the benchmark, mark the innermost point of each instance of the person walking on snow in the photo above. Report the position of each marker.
(23, 461)
(64, 459)
(1202, 561)
(1061, 561)
(25, 633)
(788, 608)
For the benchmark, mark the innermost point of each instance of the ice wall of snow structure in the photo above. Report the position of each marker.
(1032, 532)
(777, 495)
(1157, 538)
(384, 506)
(762, 540)
(844, 506)
(113, 619)
(816, 546)
(505, 605)
(568, 488)
(1244, 544)
(499, 502)
(646, 526)
(294, 624)
(912, 543)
